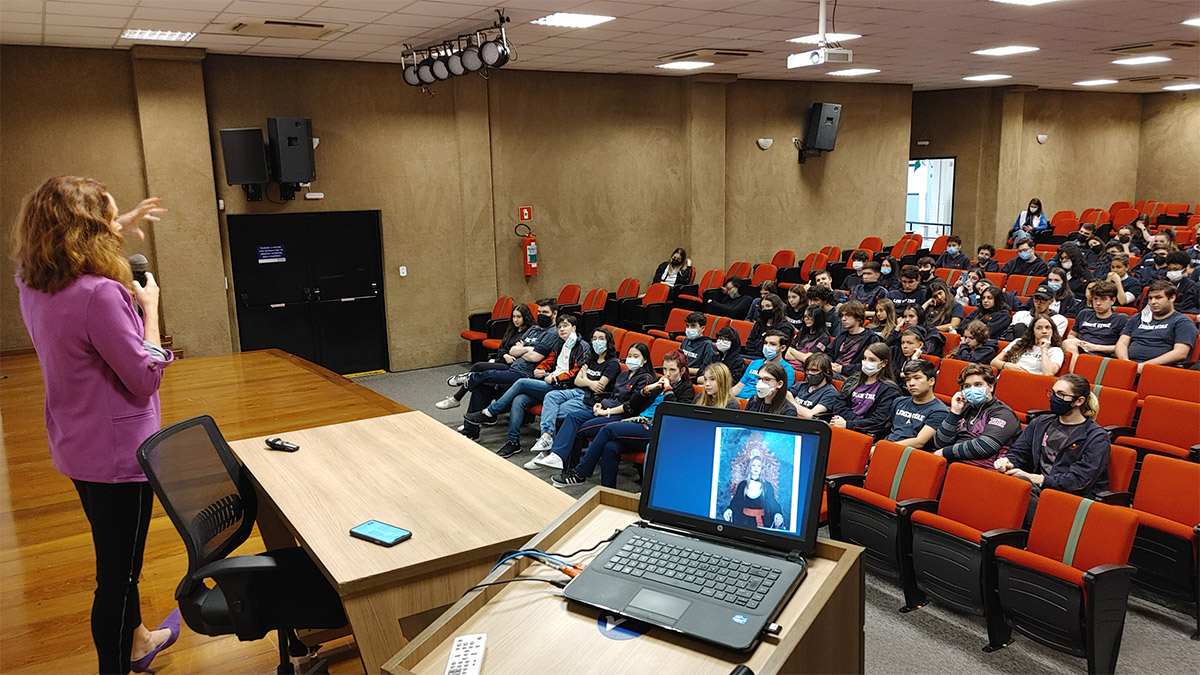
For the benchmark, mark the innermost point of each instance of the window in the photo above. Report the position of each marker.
(930, 207)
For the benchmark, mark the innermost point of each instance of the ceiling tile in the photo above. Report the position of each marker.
(88, 9)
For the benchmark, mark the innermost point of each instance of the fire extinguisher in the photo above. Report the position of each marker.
(529, 256)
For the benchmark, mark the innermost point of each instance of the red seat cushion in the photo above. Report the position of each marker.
(948, 526)
(491, 343)
(473, 335)
(869, 497)
(1155, 446)
(1040, 563)
(1165, 525)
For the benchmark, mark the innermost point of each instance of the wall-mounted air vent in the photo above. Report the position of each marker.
(710, 55)
(1150, 47)
(283, 28)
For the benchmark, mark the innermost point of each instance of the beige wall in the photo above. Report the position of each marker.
(1169, 157)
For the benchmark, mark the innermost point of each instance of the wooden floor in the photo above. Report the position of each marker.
(46, 560)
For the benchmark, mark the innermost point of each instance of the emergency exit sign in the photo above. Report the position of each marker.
(525, 212)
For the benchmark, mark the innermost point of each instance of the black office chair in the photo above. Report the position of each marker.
(210, 500)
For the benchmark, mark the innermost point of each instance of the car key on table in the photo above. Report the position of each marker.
(281, 445)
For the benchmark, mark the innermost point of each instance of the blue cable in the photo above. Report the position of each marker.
(518, 554)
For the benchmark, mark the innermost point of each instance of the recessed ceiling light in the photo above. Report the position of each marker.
(1141, 60)
(1182, 87)
(160, 35)
(1027, 3)
(684, 65)
(569, 20)
(986, 78)
(1005, 51)
(1094, 83)
(1193, 22)
(829, 37)
(854, 72)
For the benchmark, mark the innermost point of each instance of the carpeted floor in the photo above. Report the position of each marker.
(931, 640)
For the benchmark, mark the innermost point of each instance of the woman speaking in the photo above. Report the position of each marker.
(102, 366)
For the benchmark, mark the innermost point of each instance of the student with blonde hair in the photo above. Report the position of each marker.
(718, 385)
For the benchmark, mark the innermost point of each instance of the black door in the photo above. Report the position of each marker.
(312, 285)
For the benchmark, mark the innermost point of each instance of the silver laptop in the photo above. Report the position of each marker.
(729, 509)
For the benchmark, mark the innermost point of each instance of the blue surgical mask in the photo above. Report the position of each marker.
(975, 395)
(692, 333)
(885, 271)
(769, 352)
(1054, 286)
(633, 362)
(571, 340)
(952, 250)
(599, 346)
(1026, 254)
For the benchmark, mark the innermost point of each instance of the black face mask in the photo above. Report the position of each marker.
(1098, 249)
(926, 275)
(1060, 407)
(676, 262)
(544, 321)
(1124, 239)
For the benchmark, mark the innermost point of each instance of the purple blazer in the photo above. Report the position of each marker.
(101, 383)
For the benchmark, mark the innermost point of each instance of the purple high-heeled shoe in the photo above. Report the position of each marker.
(172, 622)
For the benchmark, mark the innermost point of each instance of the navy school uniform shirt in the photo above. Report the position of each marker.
(544, 341)
(597, 370)
(700, 352)
(1152, 338)
(757, 404)
(868, 294)
(984, 353)
(833, 322)
(1034, 268)
(847, 349)
(1187, 300)
(902, 300)
(851, 281)
(867, 409)
(908, 417)
(997, 320)
(990, 265)
(958, 261)
(1092, 328)
(1133, 286)
(807, 396)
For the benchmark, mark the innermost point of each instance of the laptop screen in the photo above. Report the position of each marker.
(745, 471)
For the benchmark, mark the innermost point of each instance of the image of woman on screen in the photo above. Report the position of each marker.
(754, 503)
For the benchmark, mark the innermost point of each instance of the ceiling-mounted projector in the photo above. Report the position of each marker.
(820, 56)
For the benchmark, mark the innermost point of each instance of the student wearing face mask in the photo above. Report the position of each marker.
(870, 291)
(729, 352)
(1030, 222)
(771, 317)
(985, 257)
(810, 338)
(734, 305)
(522, 320)
(581, 426)
(675, 272)
(591, 383)
(965, 291)
(889, 273)
(857, 260)
(768, 287)
(865, 402)
(770, 392)
(1027, 261)
(925, 268)
(699, 349)
(1070, 261)
(847, 348)
(1154, 266)
(773, 349)
(1128, 242)
(1065, 450)
(1062, 297)
(979, 425)
(560, 369)
(953, 258)
(633, 433)
(1187, 300)
(816, 395)
(822, 297)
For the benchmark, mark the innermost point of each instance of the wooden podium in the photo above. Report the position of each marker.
(532, 628)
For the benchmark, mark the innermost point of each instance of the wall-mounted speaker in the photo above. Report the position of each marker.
(245, 156)
(291, 149)
(822, 126)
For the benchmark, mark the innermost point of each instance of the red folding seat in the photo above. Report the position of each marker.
(1166, 427)
(849, 452)
(488, 325)
(676, 324)
(1169, 382)
(1104, 371)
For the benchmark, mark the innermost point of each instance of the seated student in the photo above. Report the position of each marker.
(953, 258)
(1030, 222)
(591, 384)
(582, 425)
(770, 392)
(1129, 288)
(822, 297)
(797, 302)
(942, 311)
(869, 291)
(911, 292)
(1161, 336)
(907, 348)
(980, 426)
(1027, 261)
(1153, 267)
(1126, 239)
(858, 260)
(565, 363)
(718, 388)
(1096, 257)
(1038, 351)
(522, 320)
(1063, 300)
(815, 395)
(774, 346)
(631, 434)
(810, 338)
(1085, 232)
(735, 305)
(770, 318)
(914, 319)
(729, 351)
(976, 345)
(675, 272)
(1038, 305)
(925, 268)
(847, 348)
(1187, 297)
(1072, 269)
(966, 291)
(917, 417)
(865, 402)
(823, 277)
(889, 273)
(698, 348)
(986, 258)
(539, 342)
(1097, 329)
(1065, 450)
(767, 287)
(1193, 251)
(992, 311)
(884, 323)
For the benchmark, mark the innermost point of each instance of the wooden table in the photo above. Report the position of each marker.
(463, 504)
(531, 627)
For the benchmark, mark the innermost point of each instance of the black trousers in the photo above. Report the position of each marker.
(120, 517)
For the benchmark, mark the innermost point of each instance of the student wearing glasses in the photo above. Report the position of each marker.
(770, 392)
(1065, 450)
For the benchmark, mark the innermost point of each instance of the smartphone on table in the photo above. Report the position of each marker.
(380, 533)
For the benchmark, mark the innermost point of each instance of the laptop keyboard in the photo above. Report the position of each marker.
(704, 573)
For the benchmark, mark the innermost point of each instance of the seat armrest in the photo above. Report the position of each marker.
(239, 565)
(1115, 497)
(478, 321)
(711, 294)
(1004, 536)
(1195, 452)
(570, 308)
(1115, 431)
(908, 506)
(835, 481)
(833, 499)
(687, 289)
(1030, 414)
(497, 327)
(789, 275)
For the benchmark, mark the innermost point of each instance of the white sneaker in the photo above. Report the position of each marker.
(458, 380)
(461, 427)
(542, 446)
(548, 460)
(448, 403)
(533, 463)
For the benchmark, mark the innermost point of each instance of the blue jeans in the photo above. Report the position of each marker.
(606, 449)
(484, 387)
(517, 400)
(557, 404)
(576, 428)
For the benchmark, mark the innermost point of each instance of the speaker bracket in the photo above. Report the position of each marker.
(287, 191)
(254, 192)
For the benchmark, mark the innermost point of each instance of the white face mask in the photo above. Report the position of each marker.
(1067, 264)
(1033, 209)
(870, 367)
(1174, 275)
(857, 264)
(723, 345)
(763, 389)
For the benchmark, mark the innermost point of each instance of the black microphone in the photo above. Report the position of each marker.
(139, 264)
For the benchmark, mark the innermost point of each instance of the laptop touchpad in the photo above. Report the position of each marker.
(658, 604)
